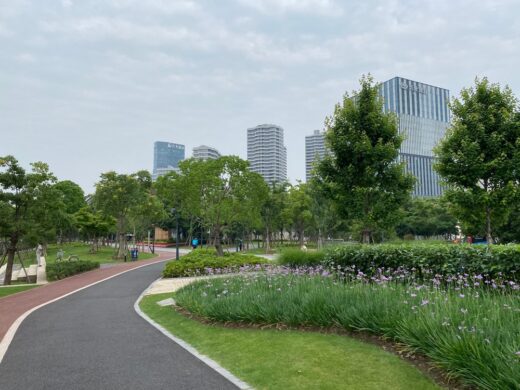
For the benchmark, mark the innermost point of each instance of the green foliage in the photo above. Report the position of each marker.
(479, 156)
(474, 336)
(296, 257)
(72, 195)
(63, 269)
(197, 261)
(125, 198)
(426, 217)
(361, 171)
(497, 262)
(215, 193)
(29, 206)
(299, 209)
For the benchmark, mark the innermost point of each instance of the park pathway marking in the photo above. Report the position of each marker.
(205, 359)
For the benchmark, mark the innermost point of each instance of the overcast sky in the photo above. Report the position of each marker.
(89, 85)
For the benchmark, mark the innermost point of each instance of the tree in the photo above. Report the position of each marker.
(72, 194)
(24, 202)
(116, 196)
(93, 225)
(216, 193)
(478, 156)
(323, 211)
(272, 211)
(363, 176)
(299, 204)
(427, 217)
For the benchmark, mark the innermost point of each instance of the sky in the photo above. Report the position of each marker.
(88, 85)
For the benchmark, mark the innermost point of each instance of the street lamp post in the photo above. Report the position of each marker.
(176, 214)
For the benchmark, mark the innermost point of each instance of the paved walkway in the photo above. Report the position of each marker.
(93, 339)
(13, 306)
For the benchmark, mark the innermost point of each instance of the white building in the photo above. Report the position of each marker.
(267, 153)
(204, 152)
(314, 151)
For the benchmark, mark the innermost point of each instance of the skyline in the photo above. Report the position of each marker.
(89, 87)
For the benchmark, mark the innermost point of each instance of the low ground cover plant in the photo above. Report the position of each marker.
(61, 270)
(466, 328)
(206, 261)
(421, 259)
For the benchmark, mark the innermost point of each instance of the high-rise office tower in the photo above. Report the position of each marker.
(204, 152)
(166, 157)
(266, 152)
(424, 116)
(314, 151)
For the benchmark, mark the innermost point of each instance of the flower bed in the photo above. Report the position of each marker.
(204, 261)
(469, 330)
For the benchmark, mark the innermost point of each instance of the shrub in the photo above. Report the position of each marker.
(296, 257)
(57, 271)
(494, 262)
(472, 332)
(200, 261)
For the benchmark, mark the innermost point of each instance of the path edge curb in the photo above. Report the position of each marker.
(189, 348)
(11, 332)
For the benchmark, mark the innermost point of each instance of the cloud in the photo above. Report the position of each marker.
(326, 7)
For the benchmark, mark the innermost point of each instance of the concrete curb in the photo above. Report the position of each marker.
(8, 337)
(208, 361)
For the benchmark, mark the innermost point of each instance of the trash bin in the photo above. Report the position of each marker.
(134, 253)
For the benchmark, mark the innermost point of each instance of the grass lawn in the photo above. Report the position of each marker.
(8, 290)
(273, 359)
(103, 255)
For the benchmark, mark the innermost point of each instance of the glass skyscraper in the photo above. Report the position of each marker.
(423, 116)
(166, 157)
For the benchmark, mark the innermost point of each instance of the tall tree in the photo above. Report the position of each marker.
(25, 203)
(116, 196)
(299, 209)
(478, 156)
(364, 177)
(93, 225)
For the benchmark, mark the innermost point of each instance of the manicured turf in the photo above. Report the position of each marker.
(103, 255)
(274, 359)
(4, 291)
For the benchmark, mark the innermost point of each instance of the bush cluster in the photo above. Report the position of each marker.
(494, 262)
(297, 258)
(57, 271)
(472, 332)
(203, 261)
(498, 261)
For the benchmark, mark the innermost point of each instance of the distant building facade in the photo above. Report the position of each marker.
(424, 116)
(267, 153)
(166, 158)
(204, 152)
(315, 150)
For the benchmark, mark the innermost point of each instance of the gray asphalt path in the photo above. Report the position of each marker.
(95, 340)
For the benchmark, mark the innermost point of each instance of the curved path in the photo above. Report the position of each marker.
(94, 339)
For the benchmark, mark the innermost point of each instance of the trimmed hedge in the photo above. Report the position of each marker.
(61, 270)
(197, 262)
(498, 261)
(296, 257)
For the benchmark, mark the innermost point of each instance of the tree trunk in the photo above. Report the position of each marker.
(489, 239)
(218, 244)
(301, 234)
(11, 251)
(320, 240)
(267, 240)
(366, 236)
